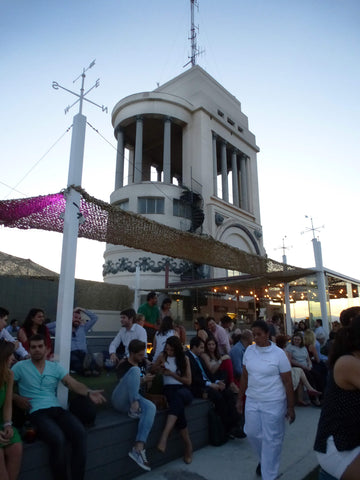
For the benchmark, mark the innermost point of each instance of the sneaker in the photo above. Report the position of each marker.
(134, 414)
(140, 458)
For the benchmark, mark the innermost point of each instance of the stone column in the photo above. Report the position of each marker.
(131, 166)
(138, 150)
(224, 179)
(235, 184)
(119, 175)
(167, 151)
(249, 185)
(214, 164)
(244, 184)
(158, 174)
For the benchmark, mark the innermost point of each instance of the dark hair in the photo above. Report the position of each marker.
(129, 312)
(175, 343)
(165, 301)
(319, 321)
(347, 341)
(216, 352)
(281, 341)
(166, 325)
(37, 338)
(28, 323)
(136, 346)
(202, 323)
(347, 315)
(262, 325)
(13, 321)
(297, 335)
(6, 349)
(3, 312)
(151, 295)
(226, 320)
(195, 342)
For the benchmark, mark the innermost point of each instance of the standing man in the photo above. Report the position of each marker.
(81, 361)
(126, 398)
(19, 349)
(37, 381)
(152, 314)
(238, 350)
(220, 336)
(128, 331)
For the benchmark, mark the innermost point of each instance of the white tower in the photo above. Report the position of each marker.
(193, 132)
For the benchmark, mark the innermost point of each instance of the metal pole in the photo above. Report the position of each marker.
(68, 258)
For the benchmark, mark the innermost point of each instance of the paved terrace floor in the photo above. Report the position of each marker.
(236, 461)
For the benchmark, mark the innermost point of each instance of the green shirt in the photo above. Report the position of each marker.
(151, 314)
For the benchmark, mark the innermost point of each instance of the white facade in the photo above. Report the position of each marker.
(193, 132)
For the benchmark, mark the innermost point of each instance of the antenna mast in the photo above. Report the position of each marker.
(195, 52)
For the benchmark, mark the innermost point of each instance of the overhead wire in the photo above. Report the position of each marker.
(37, 162)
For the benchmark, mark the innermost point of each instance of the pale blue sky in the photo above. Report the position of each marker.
(293, 65)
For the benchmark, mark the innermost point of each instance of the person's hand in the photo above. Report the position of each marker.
(224, 357)
(24, 403)
(9, 432)
(290, 415)
(167, 372)
(96, 396)
(114, 359)
(221, 385)
(3, 438)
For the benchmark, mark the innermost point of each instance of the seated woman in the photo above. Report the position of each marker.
(33, 325)
(298, 376)
(175, 367)
(217, 364)
(10, 441)
(337, 442)
(202, 331)
(299, 357)
(165, 331)
(313, 348)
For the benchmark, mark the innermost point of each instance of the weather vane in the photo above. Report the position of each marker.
(82, 95)
(312, 229)
(283, 246)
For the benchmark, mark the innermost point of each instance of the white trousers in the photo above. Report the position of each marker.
(265, 429)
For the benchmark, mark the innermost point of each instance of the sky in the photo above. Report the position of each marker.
(294, 66)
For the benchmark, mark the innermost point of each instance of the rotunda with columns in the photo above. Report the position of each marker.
(187, 159)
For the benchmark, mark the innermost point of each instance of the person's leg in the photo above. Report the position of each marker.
(146, 420)
(3, 470)
(126, 394)
(184, 432)
(273, 430)
(77, 361)
(253, 426)
(353, 470)
(170, 423)
(13, 455)
(75, 433)
(53, 436)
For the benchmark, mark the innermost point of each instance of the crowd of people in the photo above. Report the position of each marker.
(253, 378)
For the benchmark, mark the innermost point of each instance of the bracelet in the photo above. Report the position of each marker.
(7, 424)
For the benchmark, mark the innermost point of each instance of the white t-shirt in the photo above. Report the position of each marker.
(264, 365)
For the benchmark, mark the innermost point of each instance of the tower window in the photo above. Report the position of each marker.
(150, 205)
(181, 209)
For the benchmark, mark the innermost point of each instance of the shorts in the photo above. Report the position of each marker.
(335, 462)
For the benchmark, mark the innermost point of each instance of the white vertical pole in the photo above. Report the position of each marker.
(137, 289)
(68, 258)
(289, 329)
(320, 276)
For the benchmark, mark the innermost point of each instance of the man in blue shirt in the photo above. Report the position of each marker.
(37, 381)
(81, 361)
(238, 350)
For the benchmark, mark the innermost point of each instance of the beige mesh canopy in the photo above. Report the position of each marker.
(108, 223)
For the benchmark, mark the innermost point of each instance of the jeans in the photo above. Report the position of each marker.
(77, 361)
(178, 397)
(56, 427)
(125, 393)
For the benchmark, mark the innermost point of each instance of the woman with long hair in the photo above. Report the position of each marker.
(202, 331)
(10, 441)
(166, 330)
(175, 367)
(33, 325)
(220, 365)
(337, 442)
